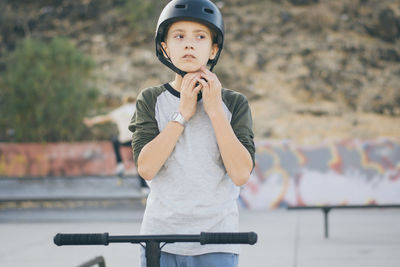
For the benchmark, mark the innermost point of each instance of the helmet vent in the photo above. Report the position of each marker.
(207, 10)
(180, 6)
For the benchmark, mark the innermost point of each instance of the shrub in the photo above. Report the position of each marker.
(46, 91)
(143, 15)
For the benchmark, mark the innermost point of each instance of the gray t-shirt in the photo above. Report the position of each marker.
(192, 192)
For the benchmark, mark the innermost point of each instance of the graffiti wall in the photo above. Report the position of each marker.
(61, 159)
(348, 172)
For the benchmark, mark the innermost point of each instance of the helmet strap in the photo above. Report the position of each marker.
(169, 64)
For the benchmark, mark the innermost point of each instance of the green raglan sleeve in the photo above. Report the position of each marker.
(241, 121)
(143, 125)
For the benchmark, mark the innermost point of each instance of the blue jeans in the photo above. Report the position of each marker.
(205, 260)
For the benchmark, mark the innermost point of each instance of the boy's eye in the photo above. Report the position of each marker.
(181, 36)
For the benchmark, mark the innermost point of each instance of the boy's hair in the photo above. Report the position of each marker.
(202, 11)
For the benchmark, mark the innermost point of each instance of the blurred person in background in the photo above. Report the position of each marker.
(121, 116)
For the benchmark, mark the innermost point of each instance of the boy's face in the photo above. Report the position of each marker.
(189, 45)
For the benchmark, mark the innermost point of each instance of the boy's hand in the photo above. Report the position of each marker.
(212, 98)
(189, 91)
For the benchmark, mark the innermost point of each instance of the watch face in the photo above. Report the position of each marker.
(174, 116)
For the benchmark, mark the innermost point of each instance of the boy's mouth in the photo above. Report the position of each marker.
(189, 56)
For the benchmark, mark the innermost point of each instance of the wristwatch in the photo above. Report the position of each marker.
(177, 116)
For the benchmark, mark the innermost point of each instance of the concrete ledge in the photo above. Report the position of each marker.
(61, 159)
(65, 189)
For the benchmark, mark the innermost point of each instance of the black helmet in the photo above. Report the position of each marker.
(203, 11)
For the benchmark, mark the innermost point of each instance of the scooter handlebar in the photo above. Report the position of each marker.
(203, 238)
(228, 238)
(81, 239)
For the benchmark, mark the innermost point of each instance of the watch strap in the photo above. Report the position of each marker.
(178, 117)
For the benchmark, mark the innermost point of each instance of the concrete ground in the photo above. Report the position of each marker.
(285, 238)
(357, 238)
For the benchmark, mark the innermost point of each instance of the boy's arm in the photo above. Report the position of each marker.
(154, 154)
(152, 148)
(237, 159)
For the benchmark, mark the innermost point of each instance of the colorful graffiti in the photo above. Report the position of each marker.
(347, 172)
(60, 159)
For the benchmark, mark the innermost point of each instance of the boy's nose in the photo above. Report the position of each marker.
(189, 44)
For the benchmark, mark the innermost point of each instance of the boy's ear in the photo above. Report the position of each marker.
(165, 51)
(214, 50)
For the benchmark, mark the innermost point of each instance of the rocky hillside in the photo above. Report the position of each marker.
(312, 69)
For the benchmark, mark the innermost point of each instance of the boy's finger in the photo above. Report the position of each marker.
(188, 82)
(202, 82)
(197, 89)
(189, 76)
(206, 71)
(194, 79)
(208, 74)
(207, 79)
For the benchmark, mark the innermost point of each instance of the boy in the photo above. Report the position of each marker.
(192, 140)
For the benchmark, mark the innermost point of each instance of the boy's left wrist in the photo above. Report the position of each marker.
(216, 113)
(179, 118)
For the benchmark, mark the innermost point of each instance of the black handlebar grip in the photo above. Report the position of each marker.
(228, 238)
(81, 239)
